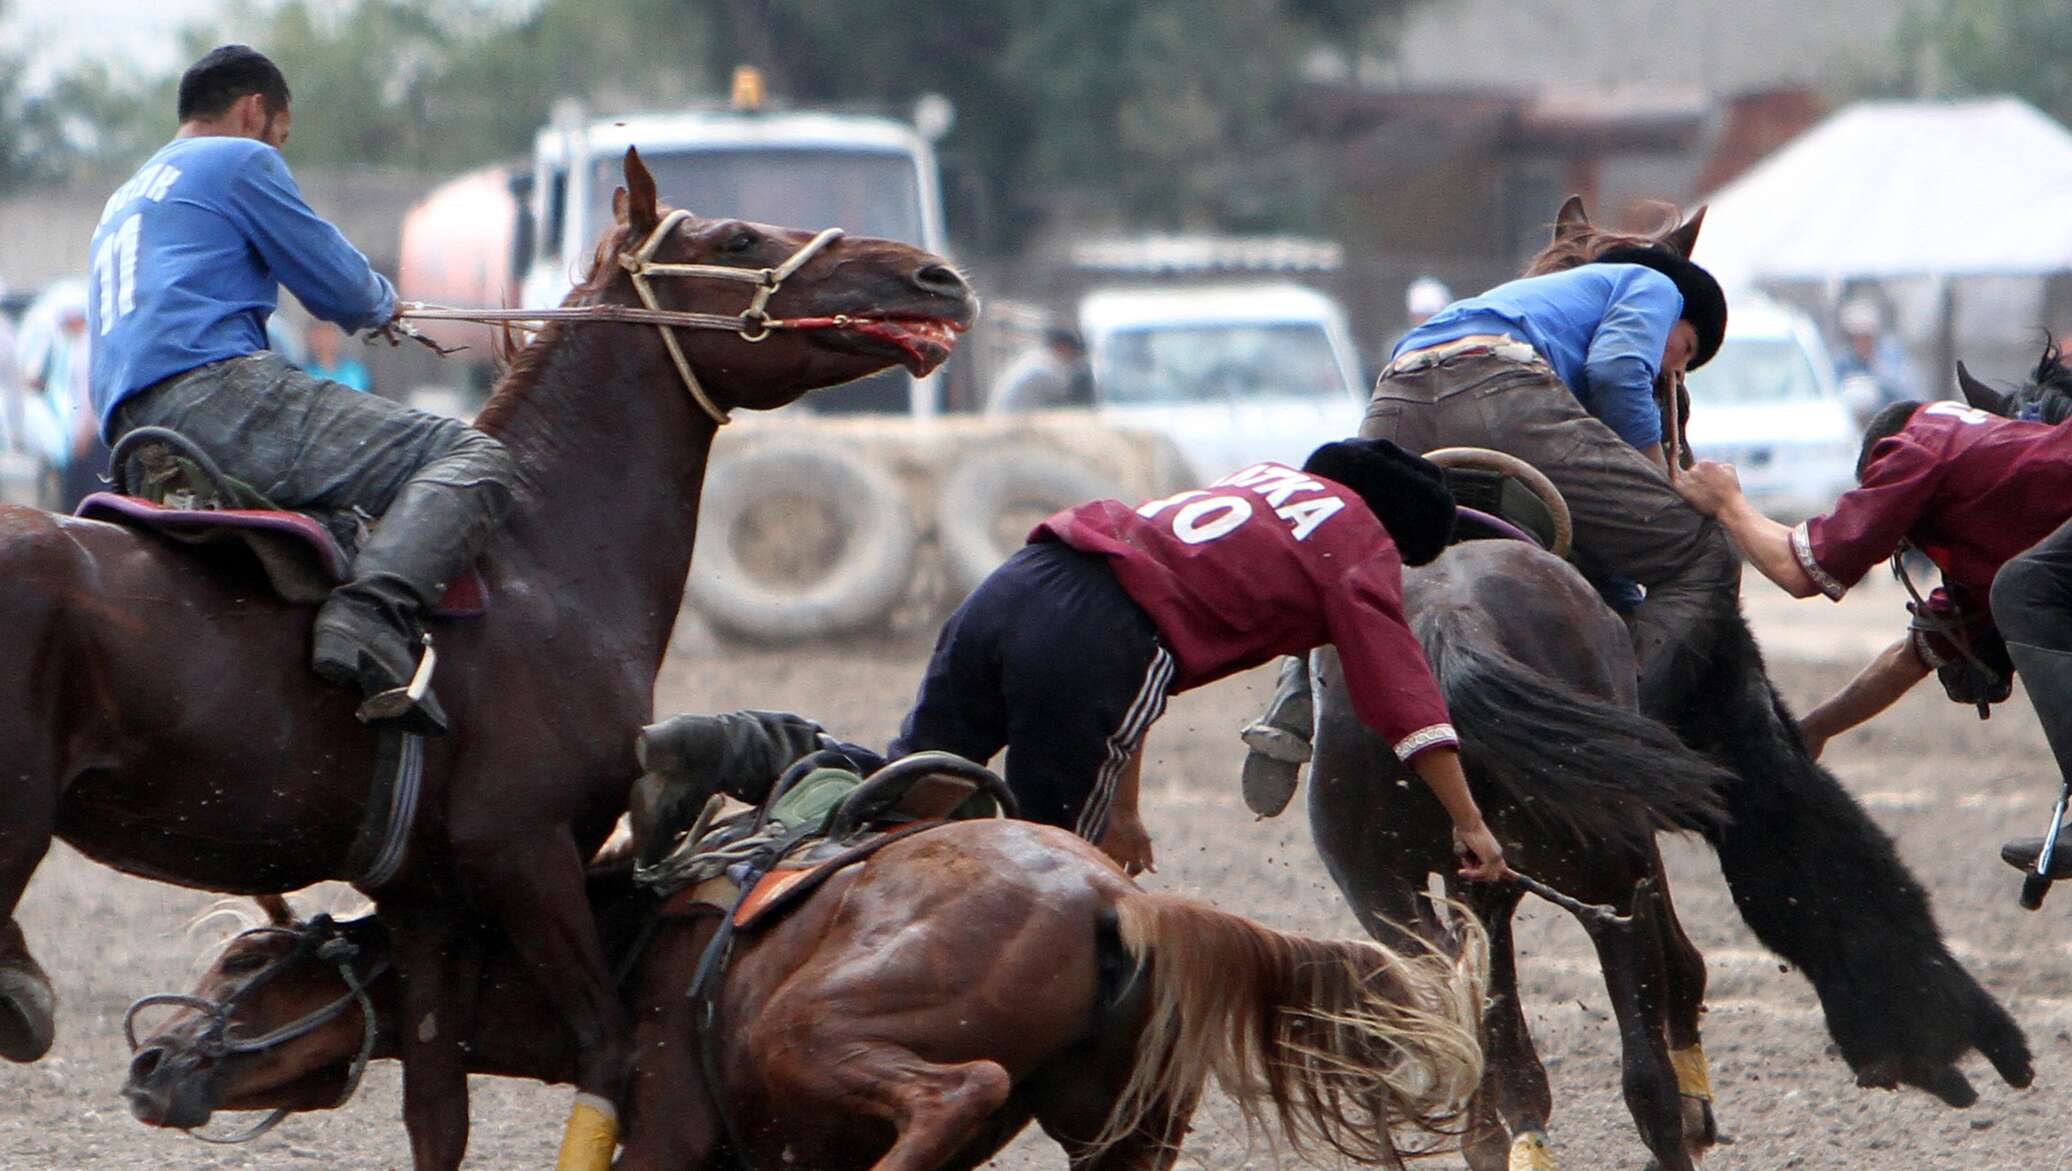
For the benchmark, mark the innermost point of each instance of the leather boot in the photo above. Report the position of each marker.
(367, 634)
(2047, 677)
(1279, 741)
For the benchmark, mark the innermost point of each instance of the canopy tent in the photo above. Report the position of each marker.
(1887, 190)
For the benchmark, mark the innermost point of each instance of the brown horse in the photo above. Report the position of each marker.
(915, 1013)
(1517, 637)
(164, 720)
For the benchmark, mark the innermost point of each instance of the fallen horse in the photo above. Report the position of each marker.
(971, 976)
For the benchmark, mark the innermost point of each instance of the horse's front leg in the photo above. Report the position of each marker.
(435, 1076)
(531, 883)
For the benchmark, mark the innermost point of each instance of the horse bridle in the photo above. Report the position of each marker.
(753, 324)
(320, 940)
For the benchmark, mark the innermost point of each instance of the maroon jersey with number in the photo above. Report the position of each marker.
(1971, 489)
(1267, 562)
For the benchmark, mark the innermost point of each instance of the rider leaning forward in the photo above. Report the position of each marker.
(1066, 653)
(1989, 500)
(187, 261)
(1560, 370)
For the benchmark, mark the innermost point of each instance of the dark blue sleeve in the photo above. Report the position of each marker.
(304, 252)
(1626, 352)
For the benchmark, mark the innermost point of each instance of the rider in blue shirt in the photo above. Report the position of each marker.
(186, 265)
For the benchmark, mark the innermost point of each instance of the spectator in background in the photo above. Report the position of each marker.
(1051, 374)
(1872, 365)
(327, 359)
(1425, 297)
(57, 411)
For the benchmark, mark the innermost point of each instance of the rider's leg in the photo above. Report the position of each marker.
(307, 443)
(1279, 740)
(2032, 604)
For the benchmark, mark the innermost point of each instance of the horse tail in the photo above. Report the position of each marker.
(1821, 885)
(1580, 766)
(1342, 1042)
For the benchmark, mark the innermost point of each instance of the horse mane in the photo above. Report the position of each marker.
(1581, 242)
(520, 364)
(2052, 374)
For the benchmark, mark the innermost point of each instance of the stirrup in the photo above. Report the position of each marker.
(398, 702)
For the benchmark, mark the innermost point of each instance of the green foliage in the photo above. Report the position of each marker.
(2022, 47)
(1159, 111)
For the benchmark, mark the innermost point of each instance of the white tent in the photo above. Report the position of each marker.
(1889, 190)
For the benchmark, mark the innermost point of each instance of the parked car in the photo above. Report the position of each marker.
(1231, 374)
(1769, 403)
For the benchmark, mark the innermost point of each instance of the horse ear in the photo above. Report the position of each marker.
(1980, 395)
(1570, 220)
(637, 208)
(1684, 236)
(277, 910)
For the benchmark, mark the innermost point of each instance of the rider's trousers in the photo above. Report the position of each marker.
(2032, 605)
(312, 444)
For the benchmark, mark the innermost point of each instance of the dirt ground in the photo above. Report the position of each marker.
(1947, 787)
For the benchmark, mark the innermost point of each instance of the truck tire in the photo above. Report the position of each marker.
(987, 504)
(798, 543)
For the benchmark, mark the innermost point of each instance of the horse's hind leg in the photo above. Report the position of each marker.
(935, 1110)
(1634, 974)
(1514, 1099)
(1682, 1005)
(28, 1007)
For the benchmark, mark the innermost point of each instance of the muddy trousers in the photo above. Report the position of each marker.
(1628, 519)
(2032, 605)
(439, 485)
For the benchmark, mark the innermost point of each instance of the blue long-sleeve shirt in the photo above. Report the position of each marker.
(1602, 327)
(189, 257)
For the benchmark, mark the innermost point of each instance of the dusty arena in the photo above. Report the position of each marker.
(1948, 789)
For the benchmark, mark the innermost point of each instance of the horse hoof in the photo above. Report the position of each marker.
(28, 1014)
(1700, 1129)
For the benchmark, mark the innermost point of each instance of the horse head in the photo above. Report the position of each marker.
(1576, 240)
(272, 1024)
(2046, 397)
(811, 313)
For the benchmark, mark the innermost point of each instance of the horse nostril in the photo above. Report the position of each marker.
(941, 278)
(145, 1063)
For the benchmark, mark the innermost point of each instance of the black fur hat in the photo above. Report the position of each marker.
(1705, 303)
(1406, 492)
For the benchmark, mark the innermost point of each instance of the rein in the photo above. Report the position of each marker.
(320, 940)
(752, 324)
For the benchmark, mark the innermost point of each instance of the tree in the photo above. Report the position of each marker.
(1993, 46)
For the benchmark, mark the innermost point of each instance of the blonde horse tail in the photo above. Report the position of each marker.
(1348, 1045)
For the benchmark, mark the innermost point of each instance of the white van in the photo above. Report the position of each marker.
(1231, 374)
(1769, 403)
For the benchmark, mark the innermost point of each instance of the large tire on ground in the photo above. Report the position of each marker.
(797, 543)
(988, 503)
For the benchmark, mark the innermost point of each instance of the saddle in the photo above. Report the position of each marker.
(183, 497)
(820, 818)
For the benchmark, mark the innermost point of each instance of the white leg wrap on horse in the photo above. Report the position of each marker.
(1530, 1152)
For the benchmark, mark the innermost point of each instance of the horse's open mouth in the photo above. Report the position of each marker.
(923, 342)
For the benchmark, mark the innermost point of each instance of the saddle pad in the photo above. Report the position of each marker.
(301, 557)
(780, 888)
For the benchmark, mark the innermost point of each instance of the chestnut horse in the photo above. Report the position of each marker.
(914, 1013)
(1515, 635)
(164, 721)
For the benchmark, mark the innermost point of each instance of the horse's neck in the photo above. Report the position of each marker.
(611, 455)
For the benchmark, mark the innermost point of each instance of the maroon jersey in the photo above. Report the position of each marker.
(1971, 489)
(1267, 562)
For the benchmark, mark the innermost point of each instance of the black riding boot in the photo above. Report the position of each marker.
(2047, 676)
(367, 634)
(1279, 740)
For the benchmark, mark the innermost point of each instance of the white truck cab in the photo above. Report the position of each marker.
(871, 176)
(1230, 373)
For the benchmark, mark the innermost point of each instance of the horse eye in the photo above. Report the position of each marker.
(741, 241)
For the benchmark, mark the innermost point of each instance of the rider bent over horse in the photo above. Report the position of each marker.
(187, 262)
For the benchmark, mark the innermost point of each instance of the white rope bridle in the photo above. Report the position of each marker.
(753, 324)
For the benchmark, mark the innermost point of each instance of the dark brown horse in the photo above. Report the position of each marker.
(164, 721)
(914, 1014)
(1811, 874)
